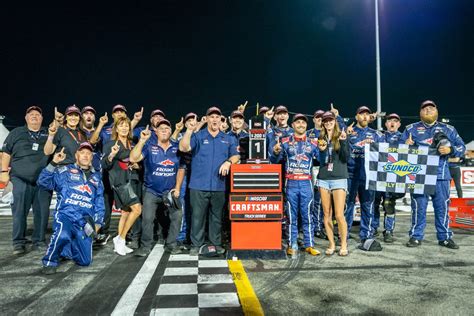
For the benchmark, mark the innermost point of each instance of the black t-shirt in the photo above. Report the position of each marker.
(118, 169)
(70, 140)
(338, 160)
(26, 150)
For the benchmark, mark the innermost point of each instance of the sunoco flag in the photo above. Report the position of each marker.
(401, 168)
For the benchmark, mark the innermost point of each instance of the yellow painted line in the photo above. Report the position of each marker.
(248, 298)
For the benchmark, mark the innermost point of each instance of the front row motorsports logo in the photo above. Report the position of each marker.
(401, 168)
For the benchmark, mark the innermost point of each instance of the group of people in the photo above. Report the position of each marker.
(172, 181)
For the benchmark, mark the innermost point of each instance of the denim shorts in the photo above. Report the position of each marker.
(333, 184)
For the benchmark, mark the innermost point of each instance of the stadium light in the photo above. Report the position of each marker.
(377, 61)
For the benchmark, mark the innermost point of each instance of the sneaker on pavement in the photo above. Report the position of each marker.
(134, 244)
(19, 250)
(376, 232)
(448, 243)
(320, 234)
(312, 251)
(102, 239)
(119, 246)
(142, 252)
(413, 243)
(292, 253)
(48, 270)
(388, 237)
(194, 251)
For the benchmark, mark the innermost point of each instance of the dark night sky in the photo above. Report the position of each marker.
(187, 55)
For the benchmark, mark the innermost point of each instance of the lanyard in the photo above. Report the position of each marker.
(74, 137)
(35, 135)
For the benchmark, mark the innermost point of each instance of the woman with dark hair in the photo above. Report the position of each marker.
(332, 179)
(124, 179)
(69, 137)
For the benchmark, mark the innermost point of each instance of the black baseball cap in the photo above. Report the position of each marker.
(300, 116)
(281, 108)
(119, 107)
(34, 108)
(427, 103)
(363, 109)
(213, 110)
(85, 145)
(392, 116)
(88, 108)
(328, 115)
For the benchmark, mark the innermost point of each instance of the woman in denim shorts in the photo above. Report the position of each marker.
(332, 179)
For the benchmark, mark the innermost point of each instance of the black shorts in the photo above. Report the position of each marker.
(137, 188)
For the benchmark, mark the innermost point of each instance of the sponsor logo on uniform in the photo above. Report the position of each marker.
(427, 141)
(401, 168)
(301, 157)
(75, 177)
(205, 142)
(166, 162)
(74, 171)
(84, 188)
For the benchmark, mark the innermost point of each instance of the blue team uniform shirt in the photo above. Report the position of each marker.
(422, 134)
(355, 165)
(161, 166)
(298, 154)
(208, 154)
(77, 195)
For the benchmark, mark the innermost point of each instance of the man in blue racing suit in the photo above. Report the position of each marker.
(361, 134)
(388, 199)
(80, 207)
(298, 152)
(446, 139)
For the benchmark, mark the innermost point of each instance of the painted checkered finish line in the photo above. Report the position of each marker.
(192, 286)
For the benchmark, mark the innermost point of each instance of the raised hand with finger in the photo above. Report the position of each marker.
(269, 114)
(180, 125)
(241, 108)
(145, 134)
(350, 128)
(410, 140)
(322, 144)
(277, 147)
(334, 110)
(138, 115)
(59, 156)
(104, 119)
(343, 135)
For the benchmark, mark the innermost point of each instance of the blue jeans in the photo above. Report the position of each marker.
(366, 199)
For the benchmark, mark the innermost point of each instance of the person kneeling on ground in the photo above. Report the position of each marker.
(79, 211)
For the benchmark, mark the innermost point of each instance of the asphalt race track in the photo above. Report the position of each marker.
(399, 280)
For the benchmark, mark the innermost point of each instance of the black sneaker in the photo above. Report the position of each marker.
(448, 243)
(40, 247)
(48, 270)
(102, 239)
(413, 243)
(19, 250)
(388, 237)
(320, 234)
(134, 244)
(194, 251)
(142, 252)
(376, 232)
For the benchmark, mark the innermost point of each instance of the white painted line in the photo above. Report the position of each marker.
(214, 278)
(181, 271)
(213, 264)
(218, 300)
(183, 258)
(193, 311)
(131, 298)
(177, 289)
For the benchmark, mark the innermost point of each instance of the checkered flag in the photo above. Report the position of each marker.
(401, 168)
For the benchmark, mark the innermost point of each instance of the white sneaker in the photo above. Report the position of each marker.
(119, 246)
(128, 249)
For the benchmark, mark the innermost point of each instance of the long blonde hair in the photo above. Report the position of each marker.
(335, 135)
(117, 123)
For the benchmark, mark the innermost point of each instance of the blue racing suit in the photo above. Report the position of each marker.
(80, 200)
(389, 218)
(356, 181)
(423, 134)
(298, 154)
